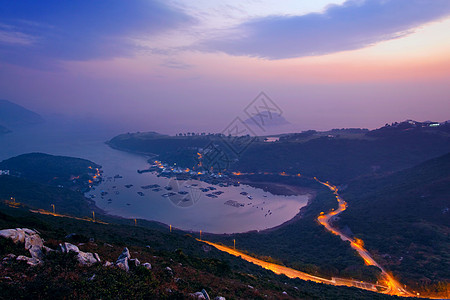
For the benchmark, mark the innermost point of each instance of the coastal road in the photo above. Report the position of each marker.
(394, 287)
(389, 284)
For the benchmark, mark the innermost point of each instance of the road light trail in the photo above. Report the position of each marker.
(394, 287)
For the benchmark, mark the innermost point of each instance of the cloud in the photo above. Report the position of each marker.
(353, 25)
(36, 33)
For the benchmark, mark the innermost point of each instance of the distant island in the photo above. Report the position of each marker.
(13, 115)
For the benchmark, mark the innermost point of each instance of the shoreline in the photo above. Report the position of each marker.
(275, 188)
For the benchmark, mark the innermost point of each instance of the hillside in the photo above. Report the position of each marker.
(13, 115)
(404, 219)
(75, 173)
(338, 156)
(193, 266)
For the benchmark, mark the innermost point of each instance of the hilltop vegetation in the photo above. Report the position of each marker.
(404, 219)
(194, 266)
(338, 155)
(303, 243)
(53, 170)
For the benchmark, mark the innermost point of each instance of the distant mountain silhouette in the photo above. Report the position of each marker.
(267, 118)
(13, 115)
(4, 130)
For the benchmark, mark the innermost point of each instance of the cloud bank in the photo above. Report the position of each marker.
(36, 33)
(353, 25)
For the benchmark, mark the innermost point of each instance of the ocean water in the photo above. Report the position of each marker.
(191, 210)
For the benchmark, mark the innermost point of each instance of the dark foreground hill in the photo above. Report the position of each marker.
(404, 218)
(13, 115)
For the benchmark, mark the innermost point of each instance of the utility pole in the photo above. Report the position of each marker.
(53, 205)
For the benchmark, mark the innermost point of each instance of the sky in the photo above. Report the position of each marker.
(178, 65)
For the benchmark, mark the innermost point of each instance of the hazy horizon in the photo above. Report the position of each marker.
(177, 66)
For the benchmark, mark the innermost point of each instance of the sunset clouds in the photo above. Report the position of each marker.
(353, 25)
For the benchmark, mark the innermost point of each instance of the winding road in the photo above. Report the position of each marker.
(388, 284)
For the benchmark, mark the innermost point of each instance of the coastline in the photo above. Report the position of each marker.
(275, 188)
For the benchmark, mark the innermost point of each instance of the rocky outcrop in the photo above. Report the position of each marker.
(202, 295)
(31, 239)
(35, 245)
(84, 258)
(122, 260)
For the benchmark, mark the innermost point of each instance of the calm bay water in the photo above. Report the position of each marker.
(263, 211)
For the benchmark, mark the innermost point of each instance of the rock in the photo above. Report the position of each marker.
(36, 252)
(87, 258)
(84, 258)
(205, 294)
(31, 261)
(122, 261)
(47, 249)
(108, 264)
(9, 257)
(33, 240)
(169, 271)
(16, 235)
(92, 277)
(147, 265)
(284, 293)
(250, 287)
(134, 262)
(67, 247)
(123, 264)
(125, 253)
(220, 298)
(197, 295)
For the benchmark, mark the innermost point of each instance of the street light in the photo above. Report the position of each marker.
(53, 205)
(93, 215)
(234, 244)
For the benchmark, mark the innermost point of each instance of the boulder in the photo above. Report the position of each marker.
(33, 240)
(122, 260)
(31, 261)
(36, 252)
(123, 264)
(125, 253)
(108, 264)
(147, 265)
(87, 258)
(197, 295)
(16, 235)
(205, 294)
(67, 247)
(84, 258)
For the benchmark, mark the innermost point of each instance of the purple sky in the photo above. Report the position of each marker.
(176, 66)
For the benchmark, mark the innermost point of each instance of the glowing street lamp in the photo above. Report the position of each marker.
(53, 205)
(234, 244)
(93, 215)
